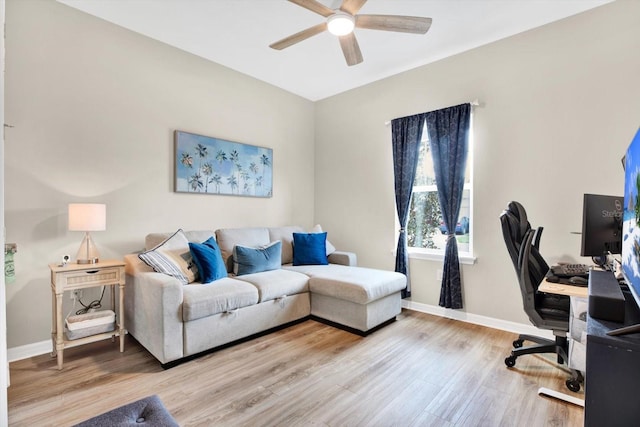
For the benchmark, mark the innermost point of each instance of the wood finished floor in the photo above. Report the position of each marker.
(422, 370)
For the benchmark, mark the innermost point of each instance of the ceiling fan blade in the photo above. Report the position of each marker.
(350, 48)
(403, 24)
(298, 37)
(314, 6)
(352, 6)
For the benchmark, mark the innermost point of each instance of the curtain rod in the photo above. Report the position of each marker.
(474, 103)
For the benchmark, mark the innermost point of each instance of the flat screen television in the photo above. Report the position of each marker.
(601, 226)
(631, 221)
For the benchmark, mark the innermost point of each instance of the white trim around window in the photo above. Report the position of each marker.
(426, 255)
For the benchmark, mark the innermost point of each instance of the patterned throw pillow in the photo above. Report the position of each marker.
(172, 257)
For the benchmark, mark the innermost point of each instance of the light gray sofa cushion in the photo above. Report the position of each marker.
(285, 235)
(216, 297)
(356, 284)
(154, 239)
(228, 238)
(277, 283)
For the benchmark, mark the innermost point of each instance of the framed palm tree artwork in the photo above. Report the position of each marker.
(208, 165)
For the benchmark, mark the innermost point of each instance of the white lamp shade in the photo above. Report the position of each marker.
(87, 217)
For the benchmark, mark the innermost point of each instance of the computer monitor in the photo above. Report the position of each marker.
(631, 226)
(601, 226)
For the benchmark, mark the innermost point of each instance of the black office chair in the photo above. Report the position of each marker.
(514, 218)
(545, 311)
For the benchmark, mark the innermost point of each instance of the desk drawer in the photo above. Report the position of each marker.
(578, 334)
(578, 354)
(90, 277)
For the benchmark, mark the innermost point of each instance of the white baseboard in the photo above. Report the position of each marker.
(29, 350)
(477, 319)
(44, 347)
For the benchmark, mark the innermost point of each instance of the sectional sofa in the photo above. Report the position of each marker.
(176, 316)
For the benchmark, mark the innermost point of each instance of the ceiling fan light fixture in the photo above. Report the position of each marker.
(340, 24)
(342, 21)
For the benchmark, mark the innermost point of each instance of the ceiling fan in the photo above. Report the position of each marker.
(341, 22)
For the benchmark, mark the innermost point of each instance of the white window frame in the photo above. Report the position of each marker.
(465, 257)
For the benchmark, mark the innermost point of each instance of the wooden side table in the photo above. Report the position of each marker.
(80, 276)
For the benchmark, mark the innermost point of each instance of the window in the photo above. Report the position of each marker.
(426, 232)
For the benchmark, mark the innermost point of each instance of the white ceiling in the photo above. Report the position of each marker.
(237, 34)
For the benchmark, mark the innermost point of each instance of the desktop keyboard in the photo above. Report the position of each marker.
(570, 270)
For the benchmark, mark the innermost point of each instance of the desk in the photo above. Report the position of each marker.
(562, 289)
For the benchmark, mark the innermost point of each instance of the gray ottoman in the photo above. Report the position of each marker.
(359, 298)
(148, 411)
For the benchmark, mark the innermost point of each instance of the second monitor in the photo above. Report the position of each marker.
(601, 226)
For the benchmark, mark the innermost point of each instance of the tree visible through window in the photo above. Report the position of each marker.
(425, 228)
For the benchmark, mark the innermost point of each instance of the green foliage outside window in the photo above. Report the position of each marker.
(424, 215)
(424, 220)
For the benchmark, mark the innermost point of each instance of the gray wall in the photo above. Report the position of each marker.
(94, 108)
(559, 105)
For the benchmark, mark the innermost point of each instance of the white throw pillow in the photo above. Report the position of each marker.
(330, 248)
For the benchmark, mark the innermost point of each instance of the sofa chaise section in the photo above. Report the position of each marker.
(356, 297)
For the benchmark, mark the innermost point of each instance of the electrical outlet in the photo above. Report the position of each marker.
(439, 275)
(76, 294)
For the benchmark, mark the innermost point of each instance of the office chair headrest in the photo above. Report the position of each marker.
(517, 210)
(511, 235)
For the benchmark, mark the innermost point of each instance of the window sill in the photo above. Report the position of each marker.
(464, 259)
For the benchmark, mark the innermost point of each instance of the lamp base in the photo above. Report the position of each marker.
(87, 254)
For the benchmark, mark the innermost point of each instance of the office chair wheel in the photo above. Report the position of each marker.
(573, 385)
(517, 343)
(511, 362)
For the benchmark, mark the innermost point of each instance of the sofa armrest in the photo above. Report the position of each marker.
(153, 309)
(343, 258)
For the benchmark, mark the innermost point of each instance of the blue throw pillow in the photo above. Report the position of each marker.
(310, 249)
(248, 260)
(208, 259)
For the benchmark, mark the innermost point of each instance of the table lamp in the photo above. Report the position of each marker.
(87, 217)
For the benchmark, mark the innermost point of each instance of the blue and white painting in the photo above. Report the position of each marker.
(209, 165)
